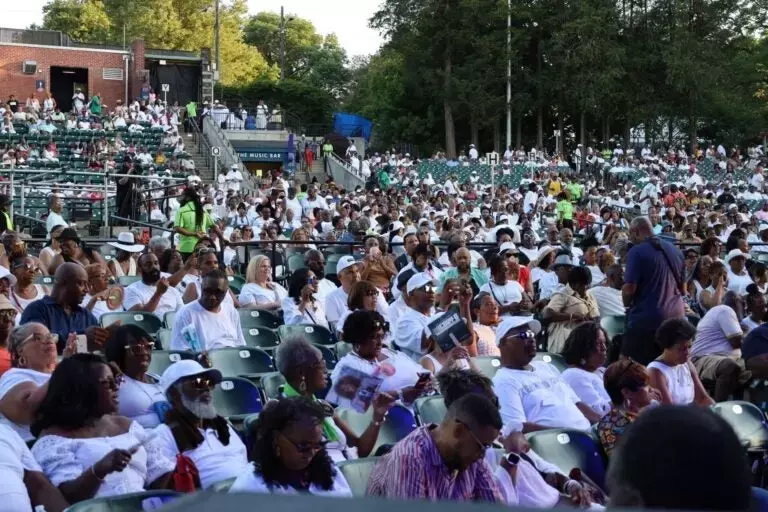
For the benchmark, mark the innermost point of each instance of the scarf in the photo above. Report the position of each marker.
(329, 429)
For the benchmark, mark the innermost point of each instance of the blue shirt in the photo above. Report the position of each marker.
(53, 316)
(755, 343)
(657, 297)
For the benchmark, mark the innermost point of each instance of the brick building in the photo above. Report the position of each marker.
(45, 61)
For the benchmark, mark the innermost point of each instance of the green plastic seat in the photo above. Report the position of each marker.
(555, 360)
(487, 365)
(44, 280)
(357, 472)
(250, 318)
(168, 318)
(261, 337)
(272, 385)
(295, 262)
(568, 449)
(236, 283)
(397, 425)
(241, 361)
(343, 348)
(144, 319)
(249, 421)
(312, 333)
(747, 420)
(236, 398)
(163, 337)
(613, 325)
(329, 355)
(430, 409)
(162, 359)
(128, 280)
(149, 500)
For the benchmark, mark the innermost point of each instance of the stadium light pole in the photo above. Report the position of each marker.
(509, 74)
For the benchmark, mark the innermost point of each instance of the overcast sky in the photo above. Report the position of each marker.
(347, 18)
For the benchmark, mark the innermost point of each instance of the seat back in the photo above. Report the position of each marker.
(328, 355)
(168, 319)
(271, 384)
(430, 409)
(399, 423)
(128, 280)
(261, 337)
(747, 420)
(236, 283)
(250, 318)
(343, 348)
(312, 333)
(163, 339)
(162, 359)
(149, 500)
(568, 449)
(488, 365)
(295, 262)
(241, 361)
(43, 280)
(236, 396)
(555, 360)
(613, 325)
(357, 472)
(144, 319)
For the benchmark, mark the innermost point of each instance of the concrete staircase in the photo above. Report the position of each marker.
(193, 148)
(317, 171)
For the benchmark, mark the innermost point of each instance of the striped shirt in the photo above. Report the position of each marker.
(414, 469)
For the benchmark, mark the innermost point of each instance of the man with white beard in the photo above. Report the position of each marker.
(193, 428)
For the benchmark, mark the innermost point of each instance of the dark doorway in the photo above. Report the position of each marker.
(64, 81)
(183, 81)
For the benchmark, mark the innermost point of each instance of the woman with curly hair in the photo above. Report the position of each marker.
(288, 452)
(84, 448)
(585, 353)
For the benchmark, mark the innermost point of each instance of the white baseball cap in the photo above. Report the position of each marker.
(417, 281)
(344, 263)
(507, 246)
(183, 369)
(736, 253)
(511, 322)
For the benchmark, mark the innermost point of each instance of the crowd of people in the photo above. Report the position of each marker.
(532, 281)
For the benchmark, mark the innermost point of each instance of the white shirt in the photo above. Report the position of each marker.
(694, 180)
(408, 332)
(597, 274)
(295, 206)
(529, 203)
(15, 459)
(54, 219)
(100, 307)
(589, 387)
(13, 378)
(713, 331)
(136, 399)
(253, 293)
(679, 381)
(609, 301)
(510, 293)
(324, 288)
(140, 293)
(738, 282)
(336, 305)
(215, 461)
(313, 315)
(251, 482)
(307, 205)
(213, 330)
(539, 396)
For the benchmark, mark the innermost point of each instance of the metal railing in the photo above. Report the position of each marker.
(342, 173)
(152, 227)
(213, 135)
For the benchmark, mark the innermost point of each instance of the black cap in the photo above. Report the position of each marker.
(403, 278)
(69, 234)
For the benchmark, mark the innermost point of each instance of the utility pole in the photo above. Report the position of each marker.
(217, 42)
(282, 43)
(509, 74)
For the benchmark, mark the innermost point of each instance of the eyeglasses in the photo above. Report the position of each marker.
(112, 383)
(521, 335)
(45, 339)
(306, 447)
(203, 383)
(384, 326)
(372, 293)
(27, 266)
(8, 314)
(140, 348)
(311, 280)
(429, 288)
(481, 445)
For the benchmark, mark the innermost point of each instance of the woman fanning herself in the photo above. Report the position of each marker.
(83, 448)
(288, 452)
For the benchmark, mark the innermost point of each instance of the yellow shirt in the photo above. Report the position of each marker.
(555, 187)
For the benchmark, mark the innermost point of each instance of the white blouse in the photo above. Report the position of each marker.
(141, 401)
(679, 381)
(64, 459)
(249, 481)
(292, 315)
(590, 388)
(253, 293)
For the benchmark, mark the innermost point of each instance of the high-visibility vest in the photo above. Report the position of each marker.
(8, 221)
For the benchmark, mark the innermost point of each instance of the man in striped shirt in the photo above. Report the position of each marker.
(443, 462)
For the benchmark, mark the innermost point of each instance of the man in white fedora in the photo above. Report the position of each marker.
(124, 264)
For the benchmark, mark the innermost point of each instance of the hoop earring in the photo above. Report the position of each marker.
(583, 362)
(22, 361)
(303, 385)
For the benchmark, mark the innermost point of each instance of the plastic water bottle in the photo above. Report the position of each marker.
(189, 333)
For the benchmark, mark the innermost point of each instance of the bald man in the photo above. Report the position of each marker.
(653, 289)
(61, 311)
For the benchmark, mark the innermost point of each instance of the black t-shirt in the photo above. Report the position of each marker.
(13, 105)
(726, 198)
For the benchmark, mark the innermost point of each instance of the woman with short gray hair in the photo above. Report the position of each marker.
(303, 367)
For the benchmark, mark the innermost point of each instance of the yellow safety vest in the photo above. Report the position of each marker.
(8, 221)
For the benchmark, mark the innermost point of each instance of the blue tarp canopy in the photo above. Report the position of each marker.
(352, 125)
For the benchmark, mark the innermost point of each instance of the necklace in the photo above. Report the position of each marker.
(138, 383)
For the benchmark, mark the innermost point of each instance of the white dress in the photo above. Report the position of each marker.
(590, 388)
(137, 401)
(10, 380)
(15, 459)
(251, 482)
(64, 459)
(253, 293)
(679, 381)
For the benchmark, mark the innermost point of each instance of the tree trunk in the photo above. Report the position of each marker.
(497, 135)
(692, 131)
(540, 129)
(450, 128)
(606, 131)
(670, 130)
(474, 132)
(540, 100)
(583, 128)
(627, 131)
(561, 138)
(519, 135)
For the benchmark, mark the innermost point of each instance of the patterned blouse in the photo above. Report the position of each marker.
(611, 427)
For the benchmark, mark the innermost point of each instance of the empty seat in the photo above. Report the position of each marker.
(397, 425)
(430, 409)
(261, 337)
(235, 398)
(150, 500)
(487, 365)
(241, 361)
(555, 360)
(747, 420)
(568, 449)
(250, 318)
(162, 359)
(312, 333)
(144, 319)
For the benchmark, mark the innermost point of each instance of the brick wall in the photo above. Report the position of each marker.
(13, 81)
(136, 69)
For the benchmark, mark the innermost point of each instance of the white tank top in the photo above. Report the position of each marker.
(437, 364)
(21, 303)
(679, 381)
(131, 268)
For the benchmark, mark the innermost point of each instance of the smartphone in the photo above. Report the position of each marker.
(512, 458)
(424, 376)
(82, 344)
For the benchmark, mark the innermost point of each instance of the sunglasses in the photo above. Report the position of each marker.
(112, 383)
(306, 448)
(203, 383)
(26, 266)
(522, 335)
(429, 288)
(311, 280)
(140, 348)
(384, 326)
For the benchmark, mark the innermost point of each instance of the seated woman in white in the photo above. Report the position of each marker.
(260, 292)
(83, 447)
(288, 452)
(672, 373)
(585, 354)
(300, 306)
